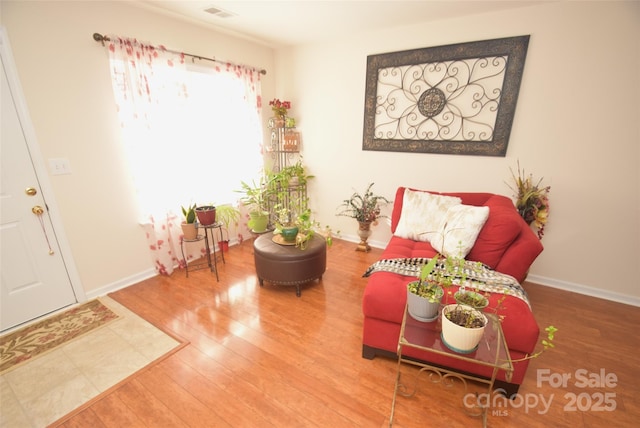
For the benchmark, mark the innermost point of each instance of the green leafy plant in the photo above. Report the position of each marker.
(189, 213)
(475, 299)
(227, 214)
(426, 286)
(295, 174)
(255, 194)
(287, 192)
(547, 343)
(466, 316)
(306, 229)
(363, 207)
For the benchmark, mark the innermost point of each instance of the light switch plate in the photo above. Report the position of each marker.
(59, 166)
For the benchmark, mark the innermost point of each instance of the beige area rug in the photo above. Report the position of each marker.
(43, 336)
(49, 388)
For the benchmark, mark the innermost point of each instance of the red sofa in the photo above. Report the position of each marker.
(505, 243)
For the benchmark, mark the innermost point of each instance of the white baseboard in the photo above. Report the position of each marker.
(130, 280)
(583, 289)
(123, 283)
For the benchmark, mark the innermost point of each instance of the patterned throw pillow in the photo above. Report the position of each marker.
(422, 214)
(459, 229)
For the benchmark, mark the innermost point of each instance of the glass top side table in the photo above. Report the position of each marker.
(492, 352)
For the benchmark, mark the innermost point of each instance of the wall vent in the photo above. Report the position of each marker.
(220, 13)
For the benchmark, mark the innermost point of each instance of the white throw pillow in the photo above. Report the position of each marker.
(459, 230)
(422, 214)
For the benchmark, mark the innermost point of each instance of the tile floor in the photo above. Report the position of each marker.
(41, 391)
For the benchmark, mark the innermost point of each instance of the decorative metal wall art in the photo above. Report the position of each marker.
(454, 99)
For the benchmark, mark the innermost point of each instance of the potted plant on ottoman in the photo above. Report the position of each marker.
(286, 224)
(189, 225)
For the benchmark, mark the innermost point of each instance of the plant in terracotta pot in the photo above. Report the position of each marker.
(366, 209)
(189, 225)
(206, 214)
(226, 215)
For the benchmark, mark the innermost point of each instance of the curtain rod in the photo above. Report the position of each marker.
(101, 38)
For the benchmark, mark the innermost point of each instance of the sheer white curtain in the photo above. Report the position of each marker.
(192, 132)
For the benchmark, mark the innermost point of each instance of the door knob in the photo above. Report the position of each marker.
(30, 191)
(38, 210)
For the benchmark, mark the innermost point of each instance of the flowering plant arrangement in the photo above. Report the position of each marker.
(364, 208)
(532, 200)
(279, 108)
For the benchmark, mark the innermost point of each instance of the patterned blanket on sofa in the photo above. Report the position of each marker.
(478, 276)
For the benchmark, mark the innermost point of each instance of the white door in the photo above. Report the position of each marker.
(34, 277)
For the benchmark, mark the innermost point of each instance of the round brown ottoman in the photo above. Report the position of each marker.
(288, 265)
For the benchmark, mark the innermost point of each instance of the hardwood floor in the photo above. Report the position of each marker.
(260, 356)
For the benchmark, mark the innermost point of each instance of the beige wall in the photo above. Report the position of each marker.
(576, 124)
(65, 78)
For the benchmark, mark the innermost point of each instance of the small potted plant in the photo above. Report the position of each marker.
(206, 214)
(365, 208)
(280, 109)
(462, 327)
(468, 294)
(307, 229)
(226, 214)
(471, 298)
(189, 225)
(425, 294)
(292, 175)
(255, 197)
(286, 225)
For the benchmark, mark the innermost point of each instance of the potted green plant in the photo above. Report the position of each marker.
(292, 175)
(471, 298)
(307, 229)
(206, 214)
(255, 197)
(425, 294)
(189, 226)
(226, 214)
(462, 327)
(286, 225)
(365, 208)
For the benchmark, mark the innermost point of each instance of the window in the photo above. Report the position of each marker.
(196, 144)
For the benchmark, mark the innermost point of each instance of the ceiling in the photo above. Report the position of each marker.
(280, 23)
